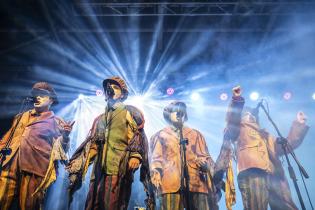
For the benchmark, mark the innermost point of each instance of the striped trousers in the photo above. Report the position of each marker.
(109, 195)
(259, 189)
(174, 201)
(16, 188)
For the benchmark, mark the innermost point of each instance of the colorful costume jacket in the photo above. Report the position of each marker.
(165, 158)
(121, 137)
(39, 143)
(256, 148)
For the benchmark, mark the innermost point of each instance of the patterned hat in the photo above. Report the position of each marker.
(119, 81)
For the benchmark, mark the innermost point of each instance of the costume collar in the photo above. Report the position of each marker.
(117, 105)
(41, 116)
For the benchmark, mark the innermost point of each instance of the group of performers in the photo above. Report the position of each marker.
(175, 165)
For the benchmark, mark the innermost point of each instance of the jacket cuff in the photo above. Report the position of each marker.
(135, 155)
(238, 99)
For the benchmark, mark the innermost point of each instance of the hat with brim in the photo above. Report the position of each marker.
(44, 89)
(118, 81)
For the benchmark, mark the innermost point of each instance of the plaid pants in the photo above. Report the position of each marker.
(259, 189)
(16, 188)
(174, 201)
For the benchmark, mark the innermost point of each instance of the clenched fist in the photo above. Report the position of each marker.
(301, 117)
(237, 91)
(133, 163)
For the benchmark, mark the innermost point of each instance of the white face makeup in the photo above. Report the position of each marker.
(117, 92)
(42, 103)
(173, 117)
(248, 117)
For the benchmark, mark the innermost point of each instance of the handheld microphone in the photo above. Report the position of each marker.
(256, 109)
(180, 110)
(109, 91)
(30, 99)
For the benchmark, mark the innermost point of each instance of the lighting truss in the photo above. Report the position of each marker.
(213, 8)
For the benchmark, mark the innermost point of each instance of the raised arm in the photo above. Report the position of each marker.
(233, 116)
(296, 134)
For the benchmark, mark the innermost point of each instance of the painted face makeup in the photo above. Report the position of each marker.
(248, 117)
(42, 103)
(117, 92)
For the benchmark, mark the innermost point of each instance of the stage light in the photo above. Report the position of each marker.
(99, 92)
(195, 96)
(170, 91)
(224, 96)
(287, 95)
(137, 101)
(80, 96)
(313, 96)
(254, 96)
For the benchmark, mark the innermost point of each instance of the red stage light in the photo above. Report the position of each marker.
(287, 95)
(170, 91)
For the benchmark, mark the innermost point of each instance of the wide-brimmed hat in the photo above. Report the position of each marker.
(43, 88)
(120, 82)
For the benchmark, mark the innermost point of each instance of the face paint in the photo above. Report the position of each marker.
(117, 92)
(173, 117)
(42, 103)
(248, 117)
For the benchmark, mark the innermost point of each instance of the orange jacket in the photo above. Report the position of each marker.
(33, 140)
(165, 158)
(256, 148)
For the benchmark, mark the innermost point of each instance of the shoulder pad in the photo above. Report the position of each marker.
(137, 115)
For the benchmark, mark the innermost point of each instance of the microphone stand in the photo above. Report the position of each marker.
(4, 152)
(102, 146)
(284, 144)
(184, 179)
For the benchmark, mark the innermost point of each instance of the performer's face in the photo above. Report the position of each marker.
(117, 92)
(248, 117)
(177, 119)
(174, 118)
(42, 103)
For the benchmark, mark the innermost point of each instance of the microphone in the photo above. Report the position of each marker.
(30, 99)
(180, 111)
(256, 109)
(180, 114)
(109, 91)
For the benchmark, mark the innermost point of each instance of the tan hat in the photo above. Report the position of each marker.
(43, 88)
(119, 81)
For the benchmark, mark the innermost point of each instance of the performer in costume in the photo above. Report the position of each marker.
(167, 169)
(36, 140)
(261, 177)
(117, 145)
